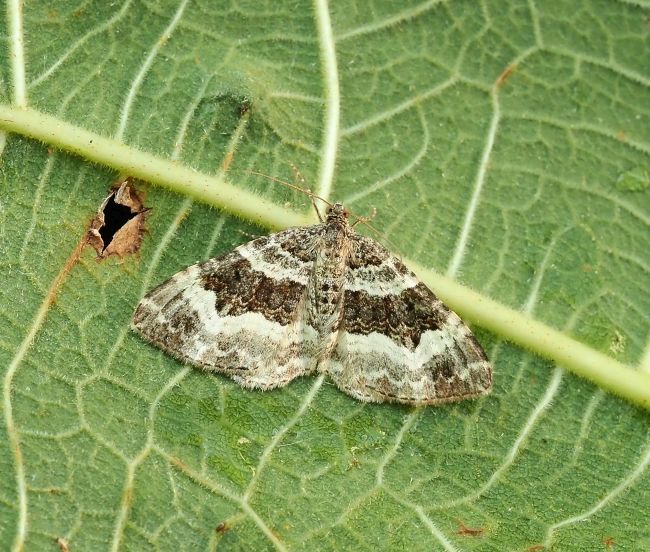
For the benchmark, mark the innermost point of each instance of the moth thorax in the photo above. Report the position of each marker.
(334, 247)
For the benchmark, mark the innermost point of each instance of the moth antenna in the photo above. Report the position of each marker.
(366, 219)
(296, 173)
(313, 203)
(305, 191)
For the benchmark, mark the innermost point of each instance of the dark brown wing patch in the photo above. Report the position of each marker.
(403, 318)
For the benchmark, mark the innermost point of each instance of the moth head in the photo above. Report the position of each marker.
(337, 212)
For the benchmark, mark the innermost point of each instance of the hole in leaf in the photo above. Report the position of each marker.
(115, 217)
(119, 225)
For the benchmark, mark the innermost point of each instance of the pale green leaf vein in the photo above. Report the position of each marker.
(144, 69)
(214, 190)
(217, 489)
(402, 171)
(17, 46)
(388, 114)
(517, 445)
(80, 42)
(279, 435)
(332, 100)
(614, 493)
(481, 175)
(396, 19)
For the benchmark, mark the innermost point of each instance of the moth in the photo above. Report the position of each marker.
(317, 299)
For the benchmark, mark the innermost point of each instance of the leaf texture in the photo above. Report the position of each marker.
(497, 141)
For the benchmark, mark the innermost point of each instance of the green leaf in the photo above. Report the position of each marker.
(503, 145)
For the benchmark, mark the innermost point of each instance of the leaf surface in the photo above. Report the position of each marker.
(505, 145)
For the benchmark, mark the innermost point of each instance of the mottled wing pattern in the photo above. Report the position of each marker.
(240, 314)
(398, 341)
